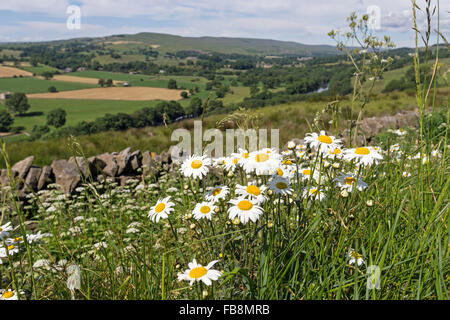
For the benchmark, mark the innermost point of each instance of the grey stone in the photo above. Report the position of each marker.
(66, 174)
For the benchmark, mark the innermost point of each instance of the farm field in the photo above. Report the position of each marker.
(77, 110)
(159, 81)
(114, 93)
(9, 72)
(35, 85)
(76, 79)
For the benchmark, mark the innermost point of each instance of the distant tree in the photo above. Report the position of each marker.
(17, 103)
(52, 89)
(184, 95)
(56, 118)
(47, 75)
(172, 84)
(101, 82)
(5, 121)
(195, 106)
(109, 83)
(34, 61)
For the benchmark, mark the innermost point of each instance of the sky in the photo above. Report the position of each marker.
(303, 21)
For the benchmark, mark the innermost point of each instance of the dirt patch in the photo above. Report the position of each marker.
(115, 93)
(9, 72)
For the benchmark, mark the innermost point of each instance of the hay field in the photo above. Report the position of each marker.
(114, 93)
(80, 79)
(9, 72)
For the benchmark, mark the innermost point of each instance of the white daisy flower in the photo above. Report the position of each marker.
(161, 209)
(286, 171)
(195, 166)
(364, 155)
(217, 193)
(305, 174)
(10, 295)
(280, 185)
(322, 142)
(252, 191)
(355, 257)
(4, 230)
(314, 193)
(197, 272)
(349, 181)
(333, 154)
(12, 249)
(244, 209)
(263, 162)
(204, 210)
(242, 156)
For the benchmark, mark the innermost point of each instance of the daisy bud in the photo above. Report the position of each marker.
(369, 203)
(205, 293)
(336, 165)
(291, 145)
(294, 196)
(230, 174)
(192, 226)
(216, 210)
(186, 187)
(236, 221)
(189, 216)
(344, 193)
(270, 224)
(269, 192)
(177, 266)
(221, 255)
(326, 164)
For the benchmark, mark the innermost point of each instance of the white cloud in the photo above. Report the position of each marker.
(297, 20)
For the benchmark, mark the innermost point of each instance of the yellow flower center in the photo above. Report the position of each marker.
(18, 239)
(197, 272)
(216, 192)
(355, 255)
(196, 164)
(160, 207)
(325, 139)
(349, 180)
(306, 172)
(11, 247)
(281, 185)
(313, 191)
(1, 229)
(254, 190)
(205, 209)
(362, 151)
(245, 205)
(245, 155)
(8, 294)
(336, 151)
(279, 172)
(262, 157)
(235, 160)
(286, 162)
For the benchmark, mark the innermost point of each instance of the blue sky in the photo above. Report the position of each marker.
(303, 21)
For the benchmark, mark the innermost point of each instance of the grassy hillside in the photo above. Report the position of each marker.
(170, 43)
(290, 118)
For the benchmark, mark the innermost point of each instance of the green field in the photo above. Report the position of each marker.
(40, 69)
(35, 85)
(159, 81)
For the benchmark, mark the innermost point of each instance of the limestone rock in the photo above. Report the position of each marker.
(45, 178)
(66, 174)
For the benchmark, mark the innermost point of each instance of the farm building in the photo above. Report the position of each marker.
(5, 95)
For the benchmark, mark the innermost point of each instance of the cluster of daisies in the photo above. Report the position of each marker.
(11, 246)
(268, 173)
